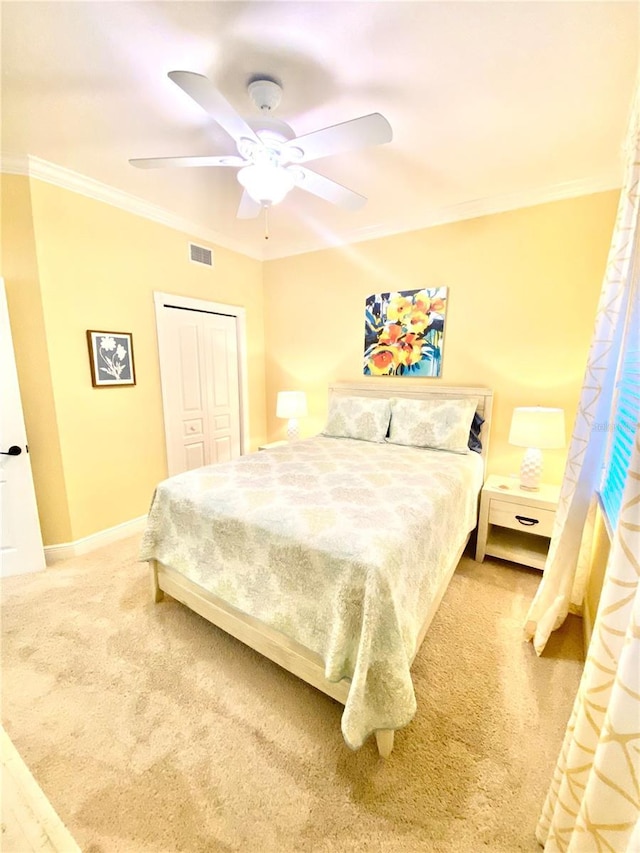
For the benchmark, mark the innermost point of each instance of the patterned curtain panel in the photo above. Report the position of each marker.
(594, 800)
(568, 560)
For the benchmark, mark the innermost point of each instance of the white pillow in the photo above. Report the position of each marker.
(365, 418)
(438, 424)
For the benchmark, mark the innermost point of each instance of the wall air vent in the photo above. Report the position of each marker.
(200, 255)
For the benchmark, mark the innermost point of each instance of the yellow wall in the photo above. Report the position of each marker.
(98, 267)
(523, 291)
(19, 267)
(600, 549)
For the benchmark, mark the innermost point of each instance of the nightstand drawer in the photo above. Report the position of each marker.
(522, 517)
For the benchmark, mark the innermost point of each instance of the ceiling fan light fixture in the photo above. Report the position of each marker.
(266, 183)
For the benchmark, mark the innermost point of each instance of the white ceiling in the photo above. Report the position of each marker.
(493, 105)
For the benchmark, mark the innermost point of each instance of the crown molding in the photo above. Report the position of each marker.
(473, 209)
(529, 198)
(59, 176)
(43, 170)
(13, 165)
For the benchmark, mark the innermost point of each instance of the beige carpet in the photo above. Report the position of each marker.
(150, 730)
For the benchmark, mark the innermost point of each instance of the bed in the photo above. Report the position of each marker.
(329, 555)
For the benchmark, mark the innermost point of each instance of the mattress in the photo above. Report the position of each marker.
(339, 544)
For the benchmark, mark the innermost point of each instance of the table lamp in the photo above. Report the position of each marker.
(291, 405)
(537, 428)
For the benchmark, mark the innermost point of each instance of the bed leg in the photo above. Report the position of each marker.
(156, 593)
(384, 739)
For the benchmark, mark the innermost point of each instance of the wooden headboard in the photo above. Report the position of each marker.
(416, 390)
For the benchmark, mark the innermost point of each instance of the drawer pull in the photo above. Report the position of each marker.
(528, 522)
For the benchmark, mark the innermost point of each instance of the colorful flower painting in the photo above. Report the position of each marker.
(403, 332)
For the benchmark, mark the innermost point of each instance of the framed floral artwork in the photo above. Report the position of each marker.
(111, 358)
(404, 332)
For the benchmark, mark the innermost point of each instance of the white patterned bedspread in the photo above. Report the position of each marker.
(339, 544)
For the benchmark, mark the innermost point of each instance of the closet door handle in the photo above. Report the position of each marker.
(14, 450)
(528, 522)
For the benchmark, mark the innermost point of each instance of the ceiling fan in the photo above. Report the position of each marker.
(270, 155)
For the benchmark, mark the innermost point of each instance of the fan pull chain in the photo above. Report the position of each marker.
(266, 222)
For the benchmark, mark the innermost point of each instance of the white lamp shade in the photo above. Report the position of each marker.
(537, 426)
(267, 184)
(291, 404)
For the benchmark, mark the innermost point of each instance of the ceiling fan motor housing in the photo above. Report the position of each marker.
(265, 94)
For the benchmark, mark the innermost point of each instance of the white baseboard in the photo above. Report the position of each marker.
(56, 553)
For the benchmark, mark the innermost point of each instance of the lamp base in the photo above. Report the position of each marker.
(292, 429)
(531, 469)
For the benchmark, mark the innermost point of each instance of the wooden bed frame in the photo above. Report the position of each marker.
(287, 653)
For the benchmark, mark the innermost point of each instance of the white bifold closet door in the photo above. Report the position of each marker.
(200, 386)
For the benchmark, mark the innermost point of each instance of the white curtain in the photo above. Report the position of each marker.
(568, 560)
(594, 800)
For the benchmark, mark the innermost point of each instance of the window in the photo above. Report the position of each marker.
(625, 413)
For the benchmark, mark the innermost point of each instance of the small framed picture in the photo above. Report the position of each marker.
(111, 358)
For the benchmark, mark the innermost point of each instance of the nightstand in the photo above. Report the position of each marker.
(516, 524)
(270, 445)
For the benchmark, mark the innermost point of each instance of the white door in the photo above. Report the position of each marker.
(21, 541)
(200, 387)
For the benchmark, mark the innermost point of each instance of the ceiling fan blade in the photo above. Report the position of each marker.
(327, 189)
(157, 162)
(248, 208)
(373, 129)
(213, 102)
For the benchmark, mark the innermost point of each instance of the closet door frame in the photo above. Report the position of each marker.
(162, 301)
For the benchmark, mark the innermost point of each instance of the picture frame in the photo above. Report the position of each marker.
(404, 332)
(111, 358)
